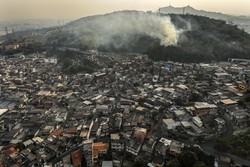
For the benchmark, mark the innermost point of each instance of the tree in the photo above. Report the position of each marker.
(246, 98)
(187, 158)
(155, 113)
(200, 138)
(139, 164)
(20, 146)
(91, 116)
(199, 164)
(174, 164)
(208, 160)
(222, 145)
(195, 97)
(141, 101)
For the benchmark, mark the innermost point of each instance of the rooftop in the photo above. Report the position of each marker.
(204, 105)
(228, 102)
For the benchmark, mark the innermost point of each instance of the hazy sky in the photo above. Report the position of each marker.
(61, 9)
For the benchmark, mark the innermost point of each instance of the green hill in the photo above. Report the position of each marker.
(184, 38)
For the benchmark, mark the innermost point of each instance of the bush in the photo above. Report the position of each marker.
(187, 158)
(222, 145)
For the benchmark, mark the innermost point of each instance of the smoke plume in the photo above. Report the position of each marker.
(127, 24)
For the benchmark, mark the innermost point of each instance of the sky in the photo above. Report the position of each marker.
(73, 9)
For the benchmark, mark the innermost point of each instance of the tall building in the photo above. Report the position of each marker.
(88, 152)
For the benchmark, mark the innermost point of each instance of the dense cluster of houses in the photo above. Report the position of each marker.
(136, 111)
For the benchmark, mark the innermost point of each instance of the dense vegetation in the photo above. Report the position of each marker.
(205, 40)
(73, 62)
(193, 156)
(238, 145)
(189, 157)
(208, 40)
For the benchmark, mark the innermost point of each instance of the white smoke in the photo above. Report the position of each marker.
(129, 23)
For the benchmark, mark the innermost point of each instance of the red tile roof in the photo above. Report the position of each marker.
(57, 132)
(76, 158)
